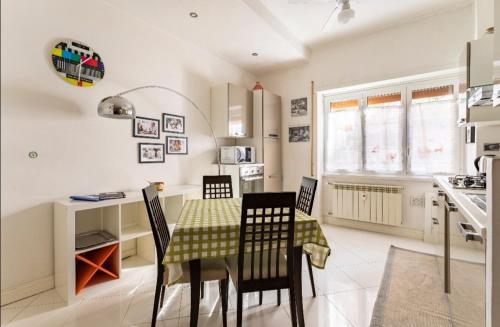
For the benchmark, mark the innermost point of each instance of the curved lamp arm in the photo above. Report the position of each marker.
(187, 99)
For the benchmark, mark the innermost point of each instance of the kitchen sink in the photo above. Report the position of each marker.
(478, 199)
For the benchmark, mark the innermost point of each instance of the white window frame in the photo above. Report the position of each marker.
(381, 91)
(405, 87)
(410, 87)
(338, 98)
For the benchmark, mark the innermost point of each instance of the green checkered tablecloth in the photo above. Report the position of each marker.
(211, 229)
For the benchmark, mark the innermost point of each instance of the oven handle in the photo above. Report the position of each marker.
(252, 178)
(469, 233)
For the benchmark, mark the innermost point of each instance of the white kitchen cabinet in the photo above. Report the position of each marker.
(231, 111)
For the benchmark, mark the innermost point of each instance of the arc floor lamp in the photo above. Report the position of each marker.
(119, 107)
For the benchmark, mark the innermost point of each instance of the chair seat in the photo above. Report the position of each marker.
(232, 266)
(211, 269)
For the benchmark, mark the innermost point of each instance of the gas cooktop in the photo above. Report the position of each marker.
(468, 182)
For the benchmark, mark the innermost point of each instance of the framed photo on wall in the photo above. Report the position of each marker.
(146, 127)
(174, 124)
(298, 134)
(151, 152)
(299, 107)
(177, 145)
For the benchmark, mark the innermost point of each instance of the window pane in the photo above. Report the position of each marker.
(344, 143)
(433, 135)
(384, 134)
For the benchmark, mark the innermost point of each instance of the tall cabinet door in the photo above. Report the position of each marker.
(240, 112)
(273, 181)
(272, 165)
(271, 115)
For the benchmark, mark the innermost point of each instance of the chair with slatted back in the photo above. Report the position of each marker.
(266, 231)
(305, 201)
(217, 187)
(211, 269)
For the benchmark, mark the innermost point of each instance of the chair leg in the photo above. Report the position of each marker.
(239, 309)
(260, 297)
(293, 307)
(202, 289)
(223, 296)
(311, 277)
(162, 296)
(278, 300)
(194, 272)
(159, 284)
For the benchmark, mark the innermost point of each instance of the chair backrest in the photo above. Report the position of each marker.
(267, 227)
(305, 199)
(217, 187)
(159, 226)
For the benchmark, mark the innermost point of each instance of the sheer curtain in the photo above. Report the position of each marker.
(344, 145)
(433, 134)
(384, 134)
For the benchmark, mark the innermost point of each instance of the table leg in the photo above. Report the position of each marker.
(297, 277)
(195, 276)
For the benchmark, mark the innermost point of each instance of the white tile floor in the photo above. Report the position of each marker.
(346, 290)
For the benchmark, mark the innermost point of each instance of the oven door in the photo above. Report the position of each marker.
(251, 184)
(464, 270)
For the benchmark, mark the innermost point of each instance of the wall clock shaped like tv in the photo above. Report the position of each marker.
(77, 63)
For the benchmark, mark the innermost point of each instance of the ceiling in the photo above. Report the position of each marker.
(281, 33)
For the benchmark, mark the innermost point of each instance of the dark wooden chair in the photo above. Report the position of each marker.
(217, 187)
(305, 201)
(210, 269)
(266, 230)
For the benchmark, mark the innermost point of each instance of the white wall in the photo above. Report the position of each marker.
(432, 44)
(80, 153)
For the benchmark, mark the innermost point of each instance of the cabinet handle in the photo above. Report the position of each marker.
(469, 232)
(450, 206)
(435, 221)
(275, 136)
(435, 185)
(240, 134)
(435, 203)
(440, 193)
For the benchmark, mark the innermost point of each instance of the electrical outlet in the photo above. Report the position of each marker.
(417, 201)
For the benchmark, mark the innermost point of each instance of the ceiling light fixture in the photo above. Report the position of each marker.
(346, 13)
(193, 14)
(255, 54)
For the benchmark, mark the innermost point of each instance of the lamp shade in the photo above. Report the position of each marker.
(346, 14)
(116, 107)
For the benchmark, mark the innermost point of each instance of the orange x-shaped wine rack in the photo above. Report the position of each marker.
(89, 264)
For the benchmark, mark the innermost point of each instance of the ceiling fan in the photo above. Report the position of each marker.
(345, 14)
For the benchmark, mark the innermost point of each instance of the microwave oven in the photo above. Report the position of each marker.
(237, 154)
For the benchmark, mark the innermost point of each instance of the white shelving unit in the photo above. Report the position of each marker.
(126, 219)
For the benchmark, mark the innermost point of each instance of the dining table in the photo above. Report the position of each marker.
(210, 228)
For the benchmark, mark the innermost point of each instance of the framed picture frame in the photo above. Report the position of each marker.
(177, 145)
(146, 128)
(174, 123)
(298, 134)
(298, 107)
(151, 152)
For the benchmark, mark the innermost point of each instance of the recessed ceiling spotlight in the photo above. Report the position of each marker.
(193, 14)
(255, 54)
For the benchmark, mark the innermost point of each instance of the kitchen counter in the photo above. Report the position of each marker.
(467, 208)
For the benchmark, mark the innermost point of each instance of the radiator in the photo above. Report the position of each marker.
(380, 204)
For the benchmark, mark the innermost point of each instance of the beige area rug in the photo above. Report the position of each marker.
(412, 292)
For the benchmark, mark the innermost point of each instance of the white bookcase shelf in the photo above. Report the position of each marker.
(126, 219)
(134, 231)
